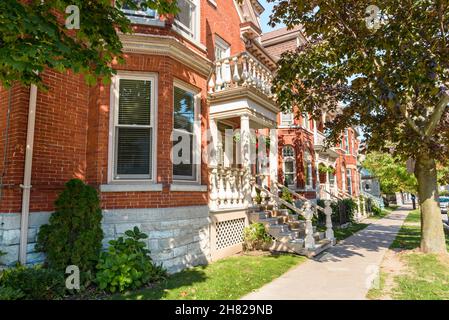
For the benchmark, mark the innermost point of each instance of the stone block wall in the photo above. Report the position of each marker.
(178, 237)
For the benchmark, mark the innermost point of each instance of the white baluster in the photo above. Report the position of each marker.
(228, 187)
(218, 79)
(254, 75)
(245, 73)
(235, 192)
(309, 241)
(328, 213)
(211, 84)
(226, 72)
(241, 185)
(236, 76)
(254, 193)
(250, 71)
(213, 190)
(221, 190)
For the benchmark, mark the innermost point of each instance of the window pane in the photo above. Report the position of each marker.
(134, 151)
(140, 12)
(185, 13)
(134, 102)
(289, 166)
(288, 151)
(184, 112)
(289, 179)
(186, 168)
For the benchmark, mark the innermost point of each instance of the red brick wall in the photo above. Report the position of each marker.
(72, 124)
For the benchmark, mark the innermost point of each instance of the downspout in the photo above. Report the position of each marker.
(26, 186)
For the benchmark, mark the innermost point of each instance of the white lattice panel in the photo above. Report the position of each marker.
(229, 233)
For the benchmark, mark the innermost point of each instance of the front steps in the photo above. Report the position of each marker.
(288, 232)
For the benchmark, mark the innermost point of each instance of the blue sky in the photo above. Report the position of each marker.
(266, 16)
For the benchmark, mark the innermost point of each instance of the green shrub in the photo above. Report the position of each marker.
(376, 210)
(127, 264)
(33, 283)
(287, 197)
(256, 237)
(444, 193)
(73, 235)
(8, 293)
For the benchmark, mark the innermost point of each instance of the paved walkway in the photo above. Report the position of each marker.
(344, 271)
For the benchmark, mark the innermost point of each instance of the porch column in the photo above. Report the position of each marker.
(274, 163)
(213, 149)
(245, 156)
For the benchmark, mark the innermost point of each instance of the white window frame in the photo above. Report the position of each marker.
(223, 46)
(113, 121)
(347, 143)
(349, 187)
(306, 121)
(289, 159)
(196, 21)
(287, 122)
(196, 178)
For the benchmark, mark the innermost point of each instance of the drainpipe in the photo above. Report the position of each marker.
(26, 186)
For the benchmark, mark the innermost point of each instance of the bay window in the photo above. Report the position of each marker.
(289, 162)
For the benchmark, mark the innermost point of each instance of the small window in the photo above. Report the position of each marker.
(133, 127)
(347, 147)
(186, 17)
(331, 179)
(141, 15)
(286, 118)
(306, 121)
(222, 49)
(349, 181)
(308, 170)
(289, 163)
(185, 147)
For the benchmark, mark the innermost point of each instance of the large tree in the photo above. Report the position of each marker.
(34, 36)
(390, 78)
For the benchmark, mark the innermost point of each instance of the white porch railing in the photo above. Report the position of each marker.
(227, 188)
(241, 70)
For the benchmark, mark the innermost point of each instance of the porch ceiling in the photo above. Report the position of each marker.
(239, 101)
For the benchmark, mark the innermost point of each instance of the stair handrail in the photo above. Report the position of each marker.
(332, 195)
(273, 196)
(297, 195)
(307, 213)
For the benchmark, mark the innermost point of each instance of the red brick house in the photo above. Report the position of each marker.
(177, 143)
(304, 164)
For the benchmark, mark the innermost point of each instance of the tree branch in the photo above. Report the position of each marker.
(437, 113)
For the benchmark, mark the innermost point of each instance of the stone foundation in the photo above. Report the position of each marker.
(177, 237)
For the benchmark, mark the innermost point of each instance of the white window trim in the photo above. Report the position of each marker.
(196, 131)
(308, 164)
(113, 115)
(178, 26)
(289, 158)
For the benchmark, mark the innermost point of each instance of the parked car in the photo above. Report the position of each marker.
(444, 204)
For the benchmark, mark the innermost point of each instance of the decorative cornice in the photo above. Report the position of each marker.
(167, 46)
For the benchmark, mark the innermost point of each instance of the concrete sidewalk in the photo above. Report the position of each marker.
(343, 272)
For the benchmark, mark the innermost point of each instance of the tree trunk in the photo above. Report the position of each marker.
(432, 233)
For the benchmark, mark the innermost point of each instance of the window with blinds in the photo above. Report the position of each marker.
(133, 129)
(184, 167)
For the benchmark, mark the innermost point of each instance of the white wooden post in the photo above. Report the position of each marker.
(309, 243)
(328, 213)
(274, 166)
(213, 196)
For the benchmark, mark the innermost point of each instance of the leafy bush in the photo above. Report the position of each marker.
(73, 235)
(376, 210)
(287, 197)
(256, 237)
(127, 264)
(444, 193)
(8, 293)
(33, 283)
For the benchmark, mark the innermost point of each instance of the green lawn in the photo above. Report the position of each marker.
(226, 279)
(341, 234)
(426, 276)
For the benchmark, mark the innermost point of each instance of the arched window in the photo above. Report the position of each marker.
(308, 170)
(289, 162)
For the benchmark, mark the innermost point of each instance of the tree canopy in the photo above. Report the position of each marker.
(391, 172)
(384, 68)
(33, 36)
